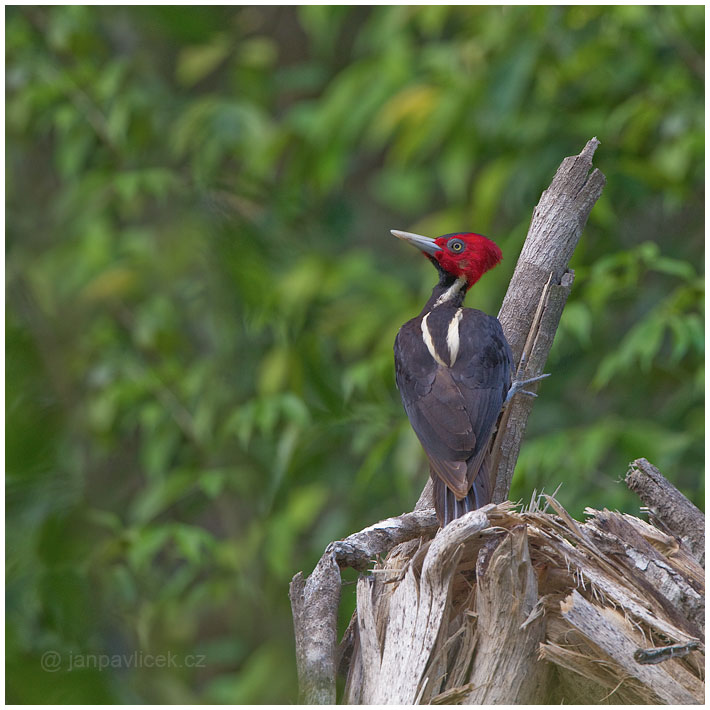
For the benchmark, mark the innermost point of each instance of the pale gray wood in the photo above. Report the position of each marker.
(669, 506)
(513, 421)
(415, 613)
(612, 639)
(411, 648)
(361, 549)
(368, 636)
(555, 229)
(314, 604)
(678, 595)
(506, 669)
(315, 600)
(426, 498)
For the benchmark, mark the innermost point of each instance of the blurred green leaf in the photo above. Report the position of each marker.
(195, 63)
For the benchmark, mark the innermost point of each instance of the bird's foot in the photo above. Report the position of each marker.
(517, 386)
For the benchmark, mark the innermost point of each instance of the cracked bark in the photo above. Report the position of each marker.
(668, 506)
(538, 291)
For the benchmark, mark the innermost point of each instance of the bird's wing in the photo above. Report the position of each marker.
(453, 410)
(436, 409)
(483, 371)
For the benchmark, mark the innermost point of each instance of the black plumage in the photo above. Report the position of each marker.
(453, 395)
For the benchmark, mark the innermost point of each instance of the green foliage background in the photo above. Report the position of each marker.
(202, 296)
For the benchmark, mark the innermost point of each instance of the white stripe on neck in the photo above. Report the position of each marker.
(429, 342)
(452, 336)
(452, 339)
(450, 292)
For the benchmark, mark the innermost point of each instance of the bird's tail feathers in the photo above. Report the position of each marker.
(448, 507)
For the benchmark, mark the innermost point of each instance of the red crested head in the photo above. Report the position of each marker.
(466, 255)
(463, 255)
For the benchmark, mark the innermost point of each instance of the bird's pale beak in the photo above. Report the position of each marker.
(427, 245)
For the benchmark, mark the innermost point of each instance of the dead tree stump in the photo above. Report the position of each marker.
(508, 607)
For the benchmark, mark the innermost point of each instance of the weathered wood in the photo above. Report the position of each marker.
(609, 632)
(426, 498)
(511, 426)
(414, 616)
(313, 602)
(669, 506)
(463, 617)
(679, 597)
(379, 588)
(506, 669)
(587, 675)
(555, 229)
(361, 549)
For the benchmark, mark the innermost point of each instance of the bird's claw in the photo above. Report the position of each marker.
(517, 387)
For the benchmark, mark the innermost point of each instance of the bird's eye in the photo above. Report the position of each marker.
(456, 245)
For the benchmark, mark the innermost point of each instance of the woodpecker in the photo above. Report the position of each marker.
(454, 371)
